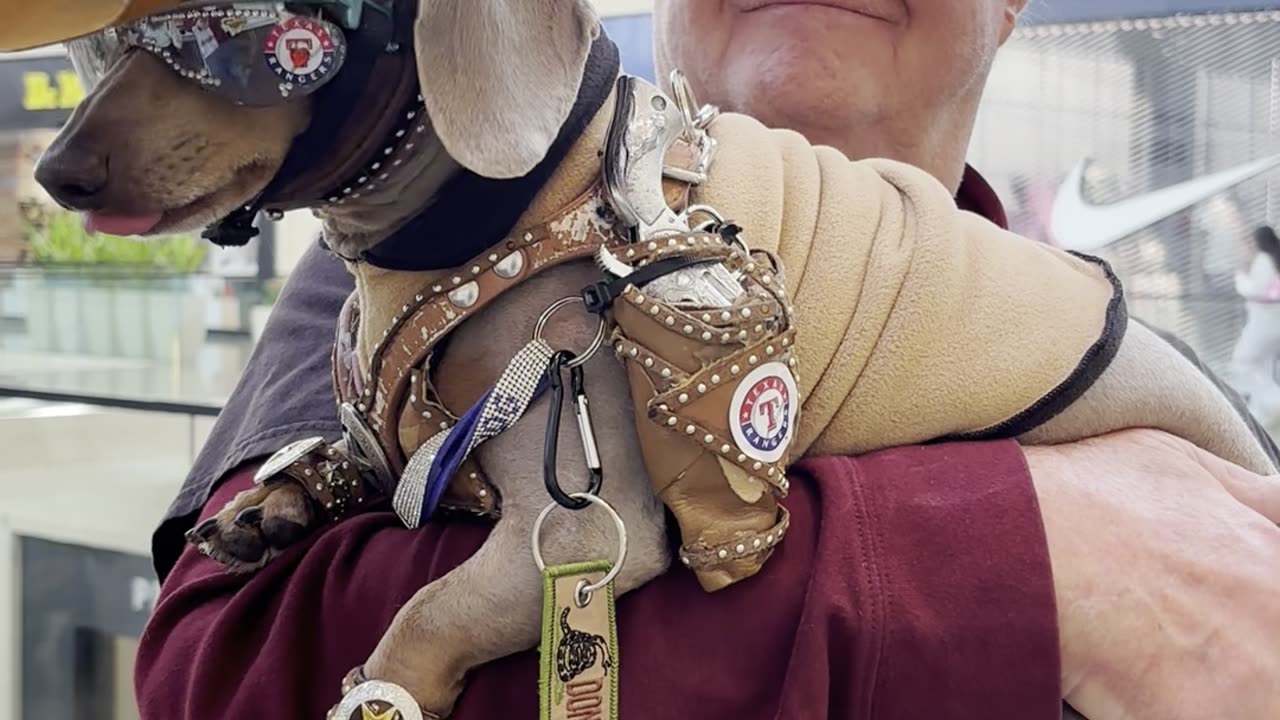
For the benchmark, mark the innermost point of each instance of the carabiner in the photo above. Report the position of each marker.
(583, 415)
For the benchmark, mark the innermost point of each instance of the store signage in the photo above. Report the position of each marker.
(37, 93)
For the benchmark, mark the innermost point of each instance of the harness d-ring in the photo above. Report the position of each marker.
(596, 342)
(584, 591)
(559, 361)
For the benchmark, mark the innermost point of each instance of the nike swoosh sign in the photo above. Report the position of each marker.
(1080, 225)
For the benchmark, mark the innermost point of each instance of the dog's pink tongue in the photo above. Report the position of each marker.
(100, 222)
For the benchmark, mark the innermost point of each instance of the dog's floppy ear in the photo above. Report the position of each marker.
(500, 76)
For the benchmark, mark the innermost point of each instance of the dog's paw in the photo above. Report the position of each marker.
(255, 526)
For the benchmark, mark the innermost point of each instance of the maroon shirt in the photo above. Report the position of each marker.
(915, 583)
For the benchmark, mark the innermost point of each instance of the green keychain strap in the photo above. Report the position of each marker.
(578, 669)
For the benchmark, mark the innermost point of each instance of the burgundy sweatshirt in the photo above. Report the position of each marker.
(915, 583)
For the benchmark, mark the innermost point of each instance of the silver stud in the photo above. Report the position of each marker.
(746, 312)
(724, 449)
(475, 269)
(483, 493)
(465, 296)
(444, 425)
(666, 373)
(456, 280)
(684, 398)
(726, 316)
(688, 329)
(362, 407)
(655, 310)
(715, 379)
(706, 317)
(766, 279)
(307, 472)
(771, 472)
(751, 267)
(510, 266)
(671, 320)
(648, 362)
(757, 466)
(702, 388)
(759, 328)
(768, 350)
(708, 439)
(753, 360)
(404, 309)
(735, 369)
(722, 554)
(631, 253)
(725, 337)
(742, 458)
(742, 334)
(437, 288)
(671, 421)
(769, 539)
(528, 236)
(690, 430)
(706, 336)
(417, 298)
(791, 362)
(493, 257)
(756, 543)
(635, 352)
(687, 562)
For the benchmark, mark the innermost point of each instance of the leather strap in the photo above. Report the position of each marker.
(394, 397)
(328, 475)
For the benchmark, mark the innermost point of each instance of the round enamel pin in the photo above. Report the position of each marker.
(762, 415)
(302, 50)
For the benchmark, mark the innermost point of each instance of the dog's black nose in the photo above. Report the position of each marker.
(75, 179)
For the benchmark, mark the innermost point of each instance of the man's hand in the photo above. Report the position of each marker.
(1166, 565)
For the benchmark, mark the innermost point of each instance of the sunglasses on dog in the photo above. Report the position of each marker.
(251, 53)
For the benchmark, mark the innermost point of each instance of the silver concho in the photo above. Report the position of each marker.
(363, 440)
(366, 693)
(286, 456)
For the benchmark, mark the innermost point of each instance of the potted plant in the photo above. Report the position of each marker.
(109, 295)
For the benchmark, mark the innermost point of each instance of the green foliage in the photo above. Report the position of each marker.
(58, 239)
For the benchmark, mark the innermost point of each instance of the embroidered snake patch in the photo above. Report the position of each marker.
(578, 651)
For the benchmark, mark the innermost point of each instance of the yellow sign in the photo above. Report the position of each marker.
(57, 91)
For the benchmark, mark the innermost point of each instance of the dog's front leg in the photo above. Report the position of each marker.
(491, 605)
(486, 608)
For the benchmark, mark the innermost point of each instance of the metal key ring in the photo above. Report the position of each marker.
(617, 522)
(595, 342)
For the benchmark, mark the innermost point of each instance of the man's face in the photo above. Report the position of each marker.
(873, 77)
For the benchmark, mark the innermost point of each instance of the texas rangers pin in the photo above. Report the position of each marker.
(304, 52)
(762, 414)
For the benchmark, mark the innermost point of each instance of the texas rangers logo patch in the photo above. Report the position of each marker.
(302, 50)
(762, 416)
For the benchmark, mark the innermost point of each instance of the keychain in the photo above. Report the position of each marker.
(578, 673)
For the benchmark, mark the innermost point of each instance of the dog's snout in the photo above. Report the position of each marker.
(76, 179)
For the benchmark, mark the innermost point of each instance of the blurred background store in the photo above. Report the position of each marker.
(1141, 130)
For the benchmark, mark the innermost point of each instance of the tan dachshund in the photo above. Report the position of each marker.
(916, 321)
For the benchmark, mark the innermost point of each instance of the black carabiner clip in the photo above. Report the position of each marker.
(587, 431)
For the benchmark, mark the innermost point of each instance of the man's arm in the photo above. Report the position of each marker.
(285, 393)
(914, 583)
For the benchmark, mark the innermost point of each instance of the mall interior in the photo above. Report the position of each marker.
(115, 360)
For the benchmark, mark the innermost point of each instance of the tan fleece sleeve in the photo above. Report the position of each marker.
(916, 320)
